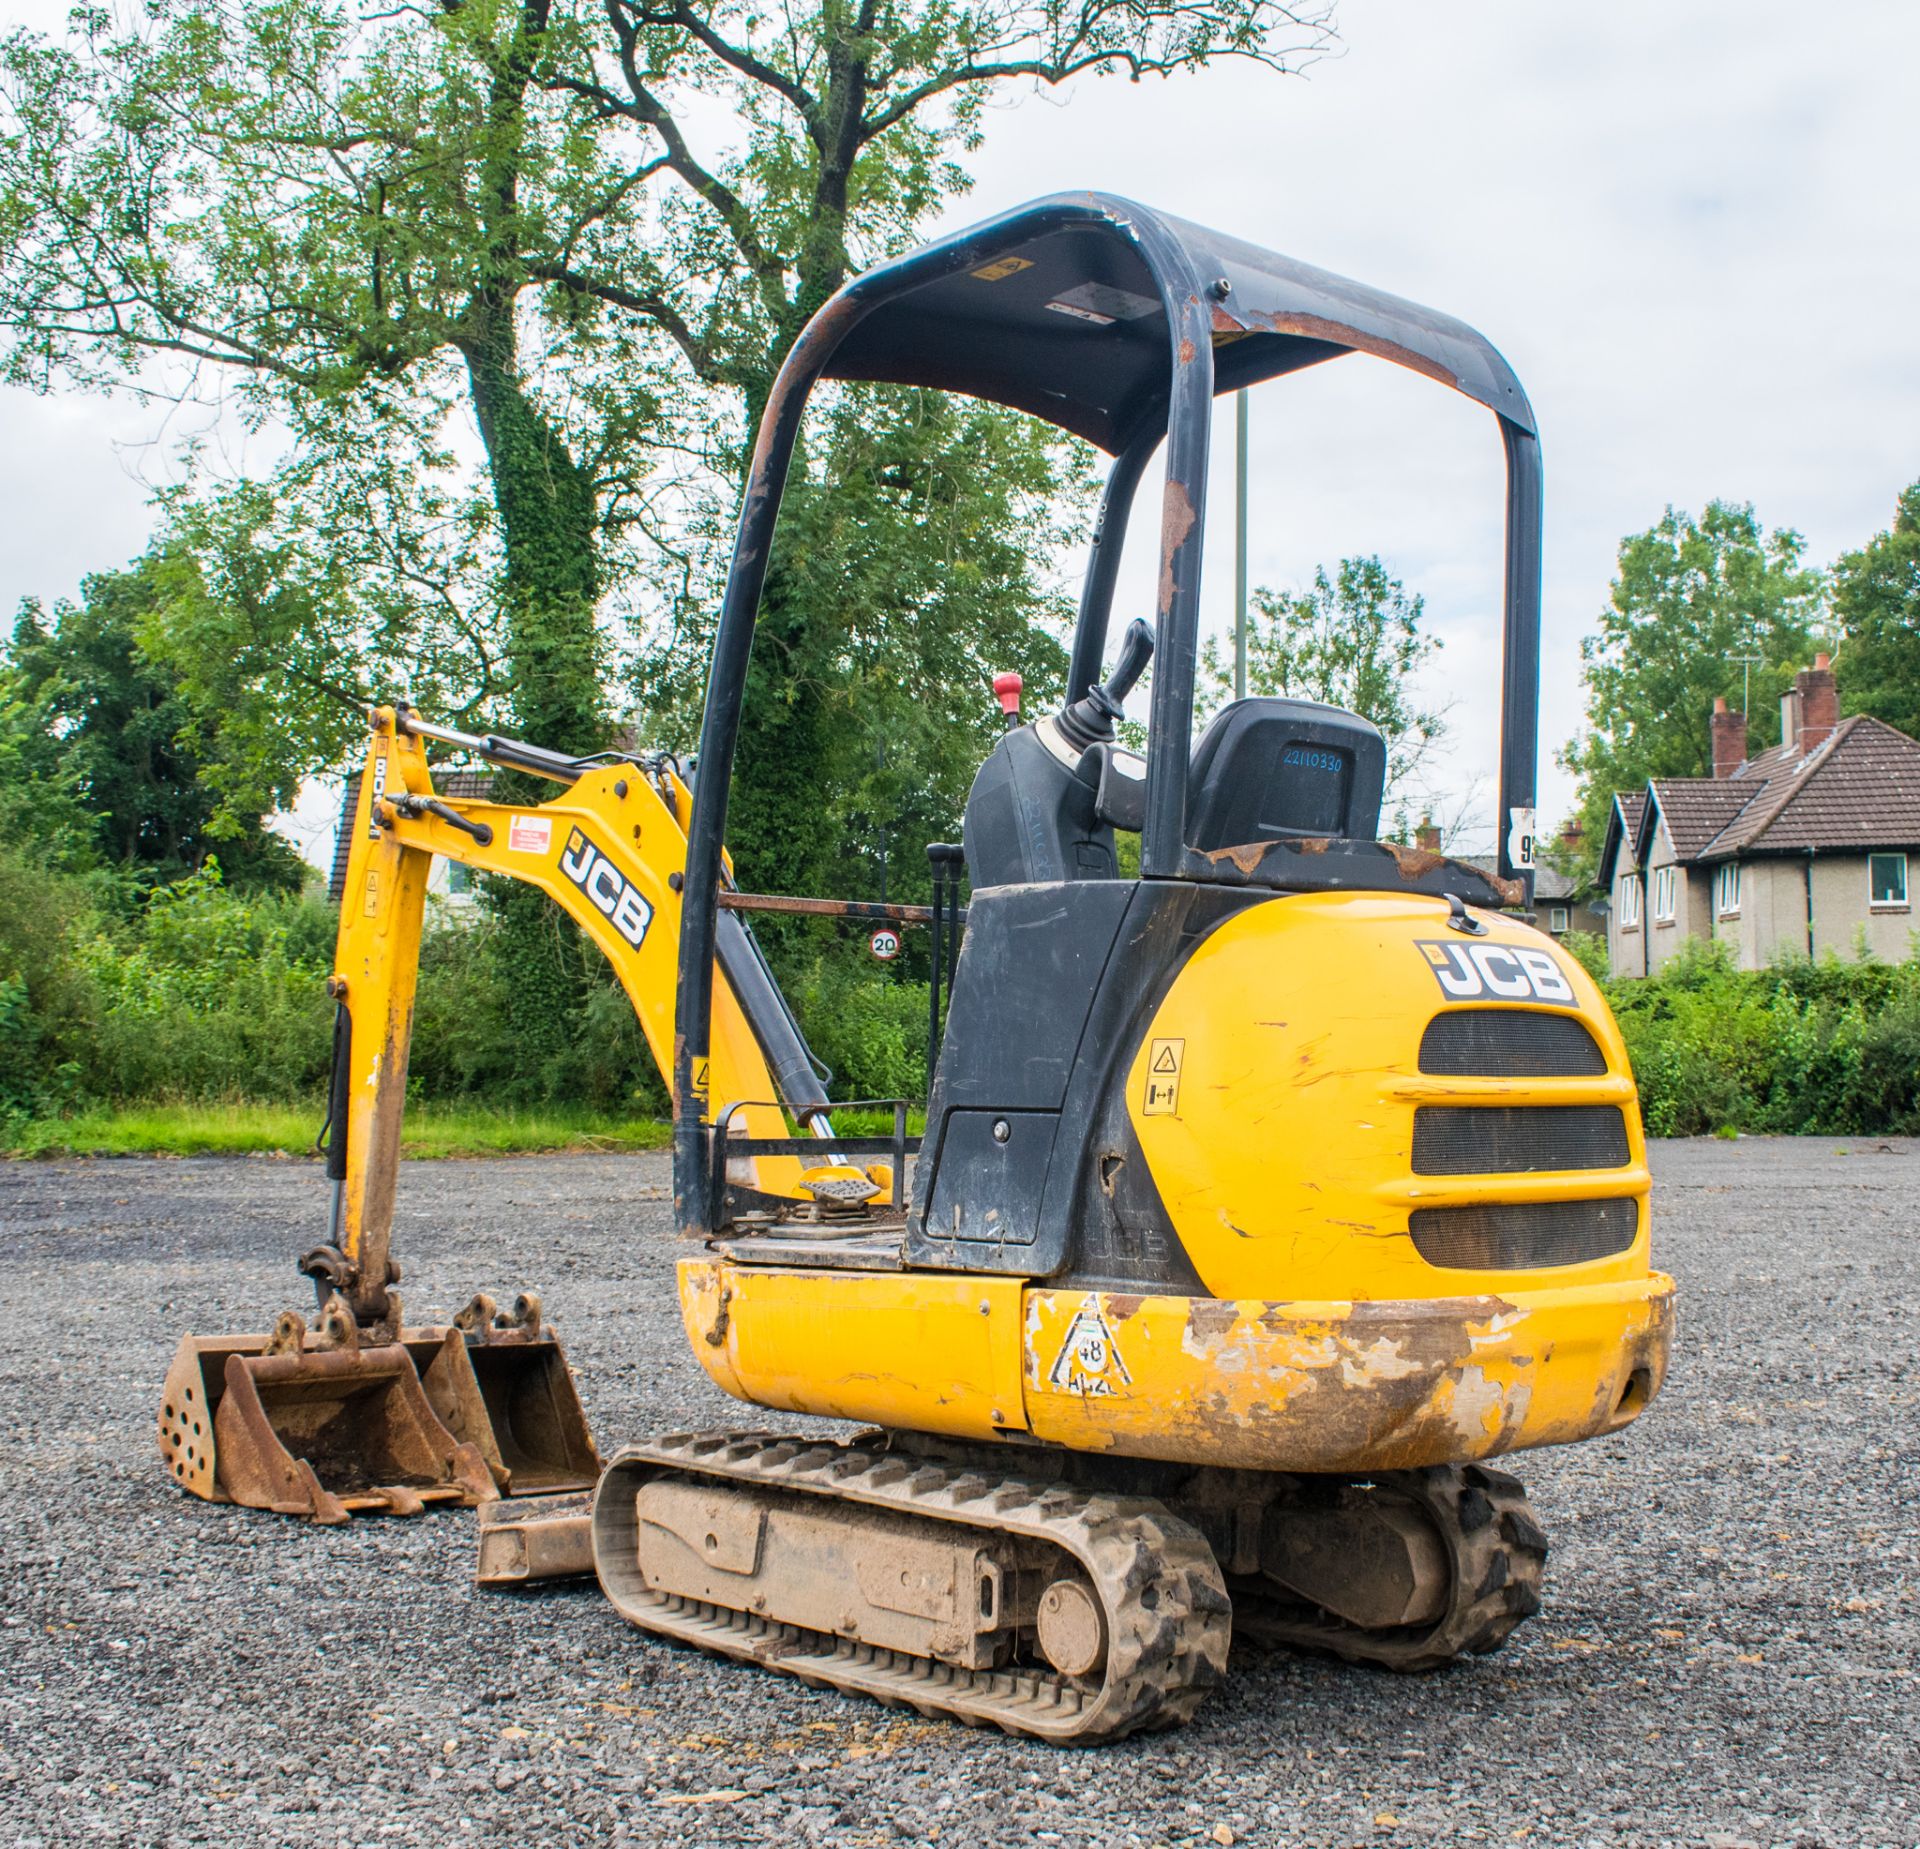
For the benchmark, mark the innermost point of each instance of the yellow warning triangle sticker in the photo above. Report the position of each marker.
(1164, 1061)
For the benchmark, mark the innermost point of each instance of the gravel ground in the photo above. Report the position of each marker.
(1726, 1656)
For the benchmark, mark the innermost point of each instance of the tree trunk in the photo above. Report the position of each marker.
(547, 516)
(548, 519)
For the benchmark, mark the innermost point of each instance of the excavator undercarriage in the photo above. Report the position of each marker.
(1041, 1593)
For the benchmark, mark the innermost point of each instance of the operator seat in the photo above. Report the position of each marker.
(1273, 769)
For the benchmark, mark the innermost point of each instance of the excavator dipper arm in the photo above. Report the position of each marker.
(610, 852)
(363, 1412)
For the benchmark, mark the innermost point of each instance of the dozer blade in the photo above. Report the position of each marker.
(439, 1416)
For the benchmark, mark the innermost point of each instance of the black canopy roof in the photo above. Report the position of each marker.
(1058, 308)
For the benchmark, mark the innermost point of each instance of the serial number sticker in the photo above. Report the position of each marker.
(1164, 1060)
(379, 789)
(530, 834)
(1497, 973)
(1106, 302)
(1081, 314)
(1005, 267)
(1089, 1361)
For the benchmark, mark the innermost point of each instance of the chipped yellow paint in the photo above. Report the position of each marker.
(1334, 1386)
(1286, 1166)
(931, 1351)
(1351, 1386)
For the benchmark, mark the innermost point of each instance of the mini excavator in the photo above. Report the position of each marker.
(1263, 1198)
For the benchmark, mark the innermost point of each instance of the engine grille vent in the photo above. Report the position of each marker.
(1506, 1139)
(1524, 1236)
(1510, 1043)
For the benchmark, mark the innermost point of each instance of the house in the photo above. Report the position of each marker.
(1802, 849)
(446, 879)
(1560, 903)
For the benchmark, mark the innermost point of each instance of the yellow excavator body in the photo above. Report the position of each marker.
(1364, 1307)
(1274, 1181)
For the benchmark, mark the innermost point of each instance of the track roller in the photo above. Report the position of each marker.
(1066, 1614)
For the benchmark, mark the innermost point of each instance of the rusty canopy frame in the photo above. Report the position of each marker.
(1118, 324)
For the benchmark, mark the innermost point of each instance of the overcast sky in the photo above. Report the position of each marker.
(1690, 228)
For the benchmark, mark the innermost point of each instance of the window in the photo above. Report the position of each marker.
(1558, 920)
(1630, 902)
(1887, 879)
(1663, 895)
(1726, 889)
(459, 877)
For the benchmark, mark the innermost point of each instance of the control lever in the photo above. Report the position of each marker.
(1090, 719)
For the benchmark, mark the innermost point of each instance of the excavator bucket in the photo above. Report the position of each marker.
(534, 1435)
(332, 1428)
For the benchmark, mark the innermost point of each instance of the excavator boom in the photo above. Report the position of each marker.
(364, 1412)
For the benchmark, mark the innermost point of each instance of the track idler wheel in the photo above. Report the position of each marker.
(1467, 1570)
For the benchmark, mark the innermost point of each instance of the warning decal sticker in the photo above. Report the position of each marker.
(530, 834)
(1164, 1059)
(1007, 266)
(1089, 1360)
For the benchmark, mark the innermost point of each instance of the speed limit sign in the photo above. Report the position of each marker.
(884, 943)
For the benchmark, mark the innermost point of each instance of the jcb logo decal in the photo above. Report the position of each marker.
(607, 887)
(1497, 973)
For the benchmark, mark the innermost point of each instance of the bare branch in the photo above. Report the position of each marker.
(691, 21)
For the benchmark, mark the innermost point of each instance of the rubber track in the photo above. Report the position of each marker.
(1498, 1555)
(1168, 1618)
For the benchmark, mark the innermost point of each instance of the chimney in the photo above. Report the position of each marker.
(1818, 701)
(1729, 740)
(1571, 835)
(1790, 717)
(1427, 837)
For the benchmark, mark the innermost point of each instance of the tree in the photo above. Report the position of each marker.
(855, 112)
(1876, 606)
(1700, 609)
(332, 221)
(918, 547)
(1352, 641)
(502, 210)
(112, 732)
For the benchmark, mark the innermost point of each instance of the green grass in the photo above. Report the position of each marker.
(431, 1130)
(271, 1129)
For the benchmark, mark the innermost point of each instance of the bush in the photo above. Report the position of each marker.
(1827, 1047)
(195, 993)
(464, 1045)
(204, 998)
(48, 1008)
(868, 1026)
